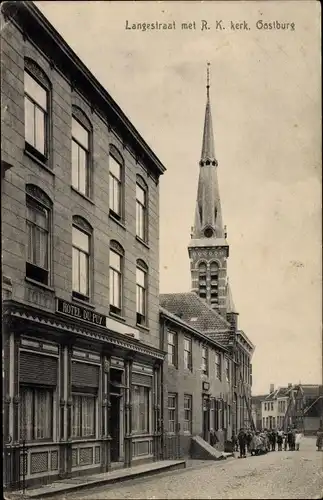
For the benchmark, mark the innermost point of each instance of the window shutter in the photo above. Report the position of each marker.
(37, 369)
(85, 376)
(140, 379)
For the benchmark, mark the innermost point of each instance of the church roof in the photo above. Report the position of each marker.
(196, 312)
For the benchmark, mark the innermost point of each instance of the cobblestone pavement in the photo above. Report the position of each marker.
(281, 475)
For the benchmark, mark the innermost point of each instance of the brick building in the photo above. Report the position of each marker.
(80, 247)
(198, 372)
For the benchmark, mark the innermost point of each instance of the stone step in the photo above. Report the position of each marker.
(201, 449)
(78, 483)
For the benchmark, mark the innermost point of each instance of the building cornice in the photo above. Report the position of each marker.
(12, 310)
(34, 24)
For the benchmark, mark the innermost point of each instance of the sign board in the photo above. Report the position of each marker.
(79, 312)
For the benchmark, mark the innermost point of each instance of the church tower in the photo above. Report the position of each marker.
(208, 249)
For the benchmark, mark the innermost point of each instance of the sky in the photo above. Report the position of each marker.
(265, 97)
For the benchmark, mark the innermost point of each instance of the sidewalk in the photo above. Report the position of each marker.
(82, 482)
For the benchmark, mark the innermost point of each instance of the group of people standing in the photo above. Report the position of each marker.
(259, 442)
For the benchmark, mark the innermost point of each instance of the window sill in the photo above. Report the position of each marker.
(116, 220)
(82, 194)
(38, 283)
(83, 302)
(80, 439)
(143, 327)
(40, 442)
(144, 243)
(38, 161)
(117, 317)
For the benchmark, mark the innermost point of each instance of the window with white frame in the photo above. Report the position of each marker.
(80, 157)
(36, 413)
(172, 413)
(187, 427)
(115, 187)
(218, 366)
(172, 348)
(83, 415)
(36, 115)
(227, 369)
(140, 409)
(141, 293)
(81, 241)
(141, 209)
(115, 280)
(188, 353)
(205, 360)
(38, 222)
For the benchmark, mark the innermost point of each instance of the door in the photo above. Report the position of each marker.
(206, 419)
(115, 427)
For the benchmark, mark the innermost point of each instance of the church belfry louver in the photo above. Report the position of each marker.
(208, 249)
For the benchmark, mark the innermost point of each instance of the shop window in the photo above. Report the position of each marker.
(140, 409)
(36, 413)
(83, 415)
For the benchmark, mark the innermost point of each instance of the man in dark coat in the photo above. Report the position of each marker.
(242, 443)
(273, 440)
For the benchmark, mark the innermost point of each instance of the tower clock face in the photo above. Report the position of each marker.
(208, 233)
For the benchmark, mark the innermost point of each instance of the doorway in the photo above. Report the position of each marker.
(116, 414)
(115, 427)
(206, 418)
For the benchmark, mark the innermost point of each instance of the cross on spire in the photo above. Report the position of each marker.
(208, 79)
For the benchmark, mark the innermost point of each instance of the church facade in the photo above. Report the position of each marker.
(210, 310)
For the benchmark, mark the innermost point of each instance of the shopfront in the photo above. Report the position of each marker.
(79, 399)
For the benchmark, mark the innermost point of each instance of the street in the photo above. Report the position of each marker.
(285, 474)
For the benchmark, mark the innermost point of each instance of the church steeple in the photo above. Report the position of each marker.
(208, 152)
(208, 248)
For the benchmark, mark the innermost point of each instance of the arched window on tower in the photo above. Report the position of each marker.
(202, 280)
(214, 277)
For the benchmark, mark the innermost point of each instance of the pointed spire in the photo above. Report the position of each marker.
(208, 153)
(230, 304)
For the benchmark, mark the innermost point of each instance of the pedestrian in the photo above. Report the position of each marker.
(285, 441)
(280, 438)
(213, 438)
(234, 441)
(293, 438)
(273, 440)
(290, 438)
(248, 439)
(298, 438)
(242, 443)
(319, 439)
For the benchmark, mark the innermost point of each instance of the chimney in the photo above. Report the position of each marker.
(271, 388)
